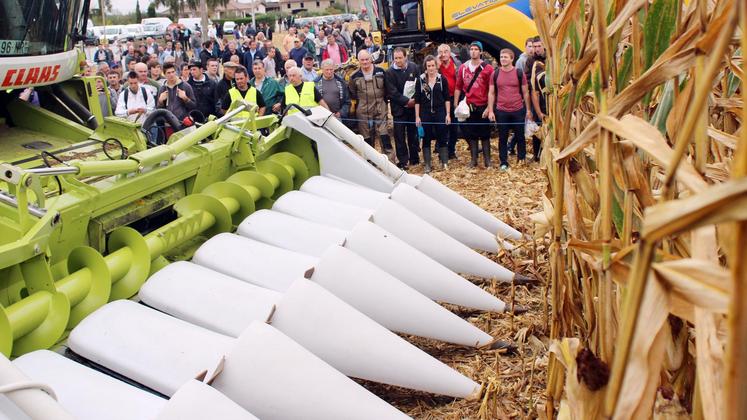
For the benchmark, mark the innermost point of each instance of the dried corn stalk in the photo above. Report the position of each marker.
(647, 208)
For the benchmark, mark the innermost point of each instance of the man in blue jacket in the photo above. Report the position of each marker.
(252, 53)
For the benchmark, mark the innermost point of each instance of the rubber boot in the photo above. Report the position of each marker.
(443, 154)
(537, 148)
(486, 152)
(473, 151)
(427, 159)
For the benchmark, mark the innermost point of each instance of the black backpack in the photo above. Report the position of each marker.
(127, 95)
(519, 76)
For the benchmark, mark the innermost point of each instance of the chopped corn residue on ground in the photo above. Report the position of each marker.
(513, 384)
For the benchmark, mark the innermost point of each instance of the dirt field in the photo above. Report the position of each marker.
(513, 385)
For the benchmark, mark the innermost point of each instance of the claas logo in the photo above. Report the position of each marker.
(30, 76)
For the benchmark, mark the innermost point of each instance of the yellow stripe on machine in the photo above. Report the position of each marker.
(503, 22)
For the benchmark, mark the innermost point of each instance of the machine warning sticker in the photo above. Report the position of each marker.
(13, 47)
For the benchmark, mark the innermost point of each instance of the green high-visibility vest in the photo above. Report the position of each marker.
(306, 99)
(251, 97)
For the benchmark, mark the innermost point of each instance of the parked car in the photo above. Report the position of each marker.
(133, 31)
(228, 27)
(112, 33)
(155, 27)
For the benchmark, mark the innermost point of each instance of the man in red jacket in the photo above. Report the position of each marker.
(447, 66)
(473, 80)
(334, 51)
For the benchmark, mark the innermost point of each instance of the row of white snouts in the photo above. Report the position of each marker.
(331, 291)
(407, 213)
(352, 281)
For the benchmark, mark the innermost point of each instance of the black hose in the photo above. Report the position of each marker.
(44, 156)
(115, 142)
(305, 111)
(160, 114)
(82, 112)
(197, 116)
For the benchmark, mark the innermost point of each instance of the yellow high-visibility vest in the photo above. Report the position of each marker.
(251, 97)
(306, 99)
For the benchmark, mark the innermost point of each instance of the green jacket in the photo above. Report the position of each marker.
(309, 45)
(271, 91)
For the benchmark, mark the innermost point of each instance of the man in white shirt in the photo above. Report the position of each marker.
(528, 52)
(134, 102)
(150, 46)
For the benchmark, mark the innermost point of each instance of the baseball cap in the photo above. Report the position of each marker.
(477, 44)
(308, 55)
(230, 64)
(195, 63)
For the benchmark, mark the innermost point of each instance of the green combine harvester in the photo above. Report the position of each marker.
(223, 274)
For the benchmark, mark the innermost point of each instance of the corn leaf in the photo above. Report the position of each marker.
(658, 29)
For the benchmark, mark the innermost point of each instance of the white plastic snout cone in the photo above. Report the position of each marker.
(265, 372)
(447, 220)
(252, 261)
(197, 400)
(376, 245)
(86, 393)
(443, 218)
(375, 293)
(208, 298)
(449, 198)
(276, 378)
(343, 153)
(29, 402)
(348, 276)
(436, 244)
(359, 347)
(321, 210)
(399, 221)
(290, 232)
(417, 270)
(339, 150)
(344, 192)
(310, 315)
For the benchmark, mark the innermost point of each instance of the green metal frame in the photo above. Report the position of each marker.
(78, 253)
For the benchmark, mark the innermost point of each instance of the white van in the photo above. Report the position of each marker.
(155, 27)
(133, 31)
(191, 22)
(228, 27)
(112, 33)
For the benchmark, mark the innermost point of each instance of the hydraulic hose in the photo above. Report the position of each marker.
(82, 112)
(161, 114)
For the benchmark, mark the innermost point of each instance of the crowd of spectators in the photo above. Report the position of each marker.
(426, 106)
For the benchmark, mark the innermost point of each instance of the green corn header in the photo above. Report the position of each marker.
(67, 247)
